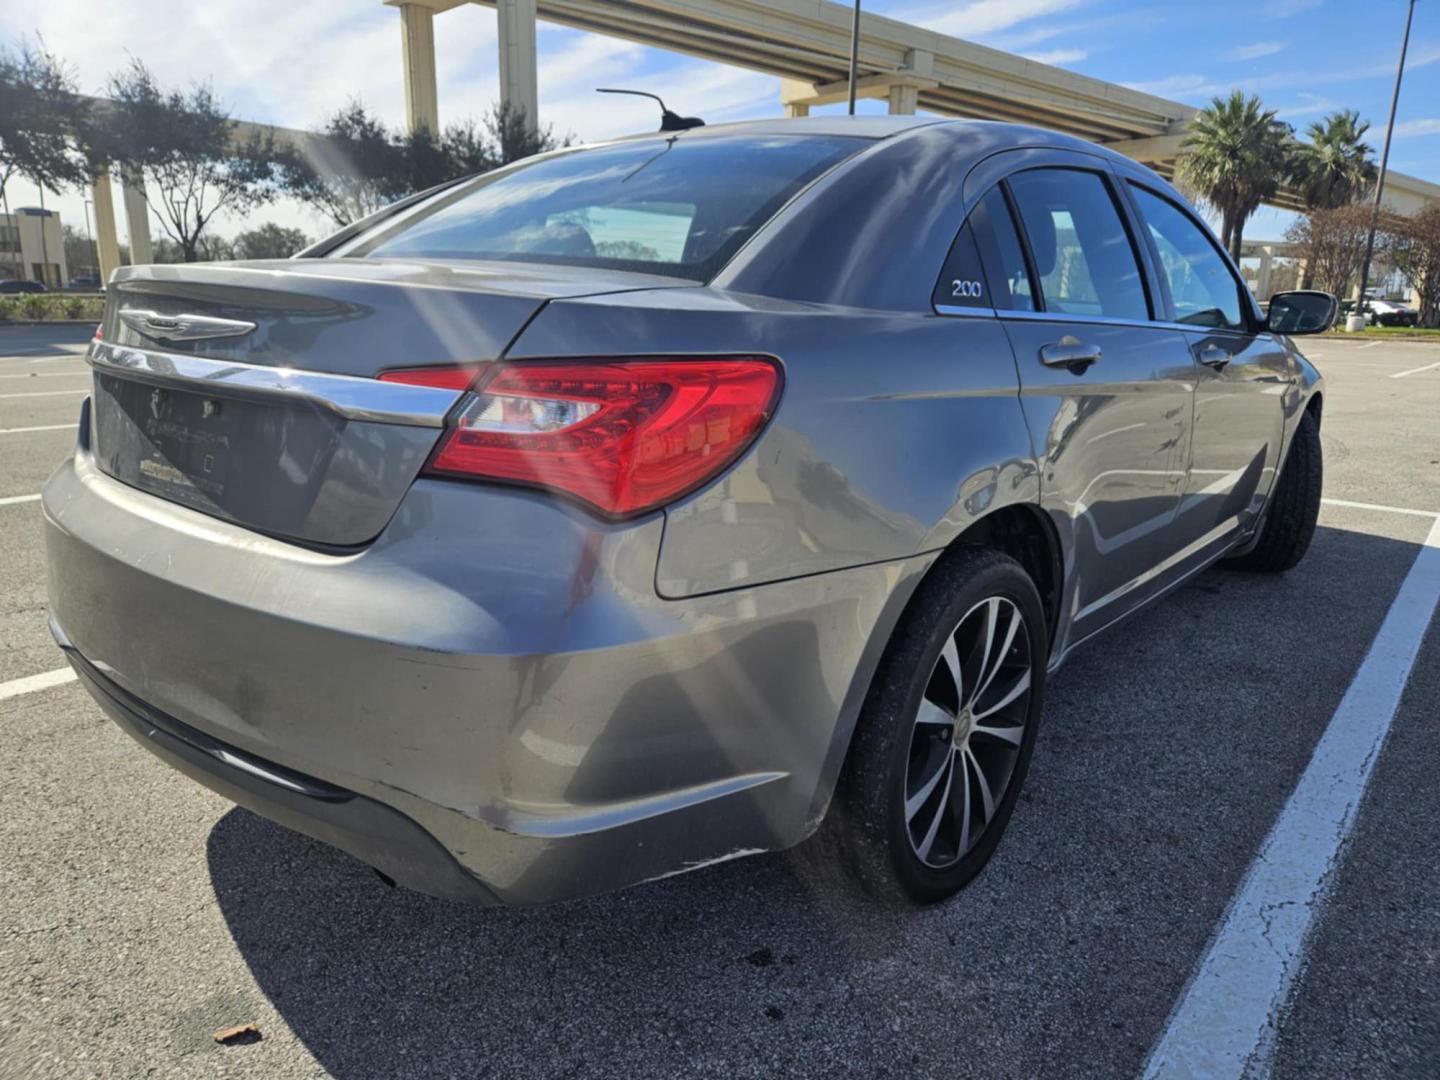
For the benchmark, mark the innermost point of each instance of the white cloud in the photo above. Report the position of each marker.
(1196, 88)
(1427, 126)
(1311, 105)
(1098, 31)
(980, 17)
(1258, 49)
(1058, 57)
(1189, 86)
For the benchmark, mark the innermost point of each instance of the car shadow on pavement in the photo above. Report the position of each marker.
(1164, 756)
(695, 973)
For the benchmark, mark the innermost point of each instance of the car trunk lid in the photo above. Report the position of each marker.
(248, 391)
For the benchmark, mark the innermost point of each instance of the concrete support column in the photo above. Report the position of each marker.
(795, 95)
(417, 40)
(137, 217)
(903, 100)
(518, 88)
(905, 95)
(1262, 280)
(107, 244)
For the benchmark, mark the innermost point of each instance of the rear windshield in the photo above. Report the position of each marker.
(662, 206)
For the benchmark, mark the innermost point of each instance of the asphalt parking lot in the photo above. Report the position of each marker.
(139, 912)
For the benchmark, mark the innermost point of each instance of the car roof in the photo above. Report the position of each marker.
(975, 138)
(865, 127)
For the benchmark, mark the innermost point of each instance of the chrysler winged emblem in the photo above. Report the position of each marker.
(183, 327)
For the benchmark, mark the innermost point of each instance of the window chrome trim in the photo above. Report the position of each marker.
(350, 396)
(1101, 320)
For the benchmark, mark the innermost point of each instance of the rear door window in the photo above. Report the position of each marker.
(1203, 291)
(1079, 246)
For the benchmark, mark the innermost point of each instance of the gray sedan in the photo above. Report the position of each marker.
(650, 504)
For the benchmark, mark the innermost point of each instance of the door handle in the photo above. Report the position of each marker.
(1213, 356)
(1069, 353)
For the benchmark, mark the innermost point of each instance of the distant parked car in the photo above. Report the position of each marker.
(85, 283)
(22, 287)
(1391, 313)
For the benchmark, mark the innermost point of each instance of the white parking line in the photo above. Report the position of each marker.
(41, 427)
(1378, 506)
(1414, 371)
(48, 393)
(31, 683)
(1225, 1021)
(1371, 344)
(11, 500)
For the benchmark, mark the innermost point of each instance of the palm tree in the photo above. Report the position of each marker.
(1236, 155)
(1335, 167)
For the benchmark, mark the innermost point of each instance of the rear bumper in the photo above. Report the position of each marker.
(371, 831)
(493, 682)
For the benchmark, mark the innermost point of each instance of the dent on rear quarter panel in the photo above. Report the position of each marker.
(894, 432)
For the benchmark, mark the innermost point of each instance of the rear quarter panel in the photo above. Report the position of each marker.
(894, 432)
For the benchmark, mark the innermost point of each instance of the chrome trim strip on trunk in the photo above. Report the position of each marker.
(354, 398)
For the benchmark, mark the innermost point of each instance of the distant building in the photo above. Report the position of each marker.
(32, 247)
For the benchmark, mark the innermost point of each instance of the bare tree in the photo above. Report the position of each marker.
(1332, 242)
(1415, 250)
(184, 144)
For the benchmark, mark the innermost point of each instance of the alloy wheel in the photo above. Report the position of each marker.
(968, 731)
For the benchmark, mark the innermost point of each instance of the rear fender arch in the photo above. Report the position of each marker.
(1019, 529)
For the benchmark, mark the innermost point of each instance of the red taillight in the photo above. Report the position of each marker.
(623, 436)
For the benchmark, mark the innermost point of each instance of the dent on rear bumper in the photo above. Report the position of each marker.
(497, 667)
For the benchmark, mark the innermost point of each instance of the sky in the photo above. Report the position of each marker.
(294, 63)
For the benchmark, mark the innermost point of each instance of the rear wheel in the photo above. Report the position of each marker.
(944, 741)
(1294, 506)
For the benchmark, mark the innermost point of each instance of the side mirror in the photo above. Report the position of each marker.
(1301, 312)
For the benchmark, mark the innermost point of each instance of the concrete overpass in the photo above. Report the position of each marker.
(806, 44)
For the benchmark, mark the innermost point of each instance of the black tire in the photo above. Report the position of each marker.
(867, 830)
(1289, 523)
